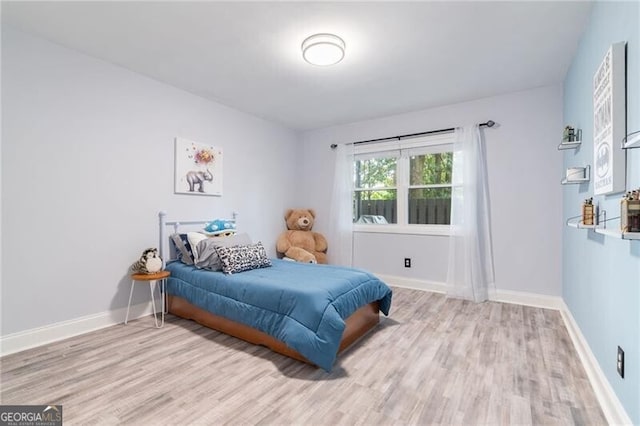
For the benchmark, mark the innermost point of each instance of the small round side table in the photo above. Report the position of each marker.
(152, 279)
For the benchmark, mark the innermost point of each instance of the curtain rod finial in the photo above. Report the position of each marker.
(491, 123)
(334, 145)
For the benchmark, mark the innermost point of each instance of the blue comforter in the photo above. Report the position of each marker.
(303, 305)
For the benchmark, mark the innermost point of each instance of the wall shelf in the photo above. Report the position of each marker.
(633, 141)
(576, 221)
(586, 178)
(601, 227)
(571, 138)
(569, 145)
(619, 234)
(580, 225)
(566, 181)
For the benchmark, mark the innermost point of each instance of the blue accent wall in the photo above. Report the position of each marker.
(601, 274)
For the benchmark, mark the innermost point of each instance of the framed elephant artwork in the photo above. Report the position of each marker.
(198, 168)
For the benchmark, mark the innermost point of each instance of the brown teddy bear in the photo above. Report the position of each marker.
(299, 242)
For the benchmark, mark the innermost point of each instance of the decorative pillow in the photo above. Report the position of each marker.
(183, 248)
(208, 256)
(243, 258)
(194, 238)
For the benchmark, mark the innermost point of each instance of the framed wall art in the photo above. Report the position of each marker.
(198, 168)
(609, 122)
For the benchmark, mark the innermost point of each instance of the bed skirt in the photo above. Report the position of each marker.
(356, 326)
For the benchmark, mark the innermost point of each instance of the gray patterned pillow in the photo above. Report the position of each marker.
(183, 248)
(243, 258)
(208, 256)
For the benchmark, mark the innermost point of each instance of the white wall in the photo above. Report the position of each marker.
(87, 163)
(524, 178)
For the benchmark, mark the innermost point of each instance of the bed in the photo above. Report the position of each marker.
(305, 311)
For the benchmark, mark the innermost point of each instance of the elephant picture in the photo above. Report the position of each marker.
(198, 168)
(198, 178)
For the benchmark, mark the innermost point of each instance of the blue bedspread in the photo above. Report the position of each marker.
(303, 305)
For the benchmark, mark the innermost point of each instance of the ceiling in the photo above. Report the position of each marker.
(400, 56)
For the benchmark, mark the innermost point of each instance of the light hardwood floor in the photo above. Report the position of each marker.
(433, 361)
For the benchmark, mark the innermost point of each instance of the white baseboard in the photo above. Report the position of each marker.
(609, 402)
(20, 341)
(412, 283)
(505, 296)
(527, 299)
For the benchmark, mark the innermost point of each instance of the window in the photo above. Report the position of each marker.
(403, 183)
(376, 191)
(429, 190)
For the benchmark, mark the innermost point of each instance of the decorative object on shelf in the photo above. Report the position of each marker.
(149, 262)
(569, 134)
(630, 212)
(574, 175)
(609, 121)
(599, 219)
(198, 168)
(589, 212)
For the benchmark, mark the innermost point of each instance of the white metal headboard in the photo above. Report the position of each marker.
(164, 238)
(163, 246)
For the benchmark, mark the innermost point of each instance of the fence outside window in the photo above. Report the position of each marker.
(436, 211)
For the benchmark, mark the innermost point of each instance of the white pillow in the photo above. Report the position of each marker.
(194, 238)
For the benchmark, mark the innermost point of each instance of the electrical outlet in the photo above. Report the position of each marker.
(620, 362)
(407, 262)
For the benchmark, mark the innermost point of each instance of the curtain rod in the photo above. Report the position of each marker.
(489, 123)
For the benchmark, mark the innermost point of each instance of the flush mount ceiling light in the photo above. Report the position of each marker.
(323, 49)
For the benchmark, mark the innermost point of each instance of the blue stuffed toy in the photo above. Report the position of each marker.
(220, 227)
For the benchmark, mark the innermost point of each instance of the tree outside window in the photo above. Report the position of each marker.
(430, 188)
(375, 195)
(404, 189)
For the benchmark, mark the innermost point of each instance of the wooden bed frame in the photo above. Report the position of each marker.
(356, 325)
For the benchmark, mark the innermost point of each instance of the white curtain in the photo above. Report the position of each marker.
(340, 235)
(471, 273)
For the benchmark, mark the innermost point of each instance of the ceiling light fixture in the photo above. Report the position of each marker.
(323, 49)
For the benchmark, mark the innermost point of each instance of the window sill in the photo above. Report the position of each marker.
(440, 230)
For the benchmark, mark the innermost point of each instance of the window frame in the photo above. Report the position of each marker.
(405, 148)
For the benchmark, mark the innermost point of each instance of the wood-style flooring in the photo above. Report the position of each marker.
(433, 361)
